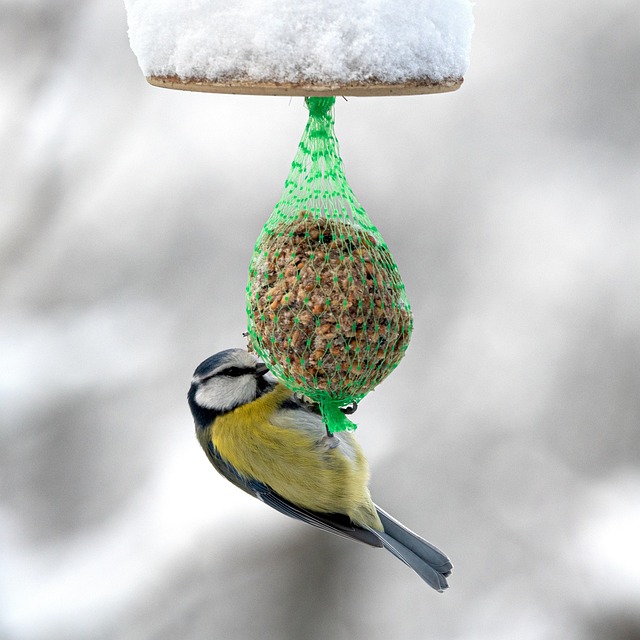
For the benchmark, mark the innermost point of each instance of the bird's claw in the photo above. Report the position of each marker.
(349, 409)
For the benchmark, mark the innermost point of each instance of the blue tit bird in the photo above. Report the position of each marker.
(274, 445)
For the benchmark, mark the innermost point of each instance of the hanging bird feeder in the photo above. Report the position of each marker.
(326, 307)
(303, 47)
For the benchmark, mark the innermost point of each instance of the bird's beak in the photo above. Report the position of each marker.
(261, 369)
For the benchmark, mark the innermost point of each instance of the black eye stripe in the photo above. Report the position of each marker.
(234, 372)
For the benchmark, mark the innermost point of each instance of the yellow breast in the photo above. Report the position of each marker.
(292, 462)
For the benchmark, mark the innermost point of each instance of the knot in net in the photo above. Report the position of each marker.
(327, 309)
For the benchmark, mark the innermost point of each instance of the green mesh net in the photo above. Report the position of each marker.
(327, 309)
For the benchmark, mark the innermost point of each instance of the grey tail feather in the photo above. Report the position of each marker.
(431, 564)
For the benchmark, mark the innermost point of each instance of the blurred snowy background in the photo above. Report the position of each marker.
(509, 435)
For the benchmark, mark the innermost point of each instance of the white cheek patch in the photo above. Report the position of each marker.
(222, 394)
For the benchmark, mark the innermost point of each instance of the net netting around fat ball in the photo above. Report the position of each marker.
(327, 309)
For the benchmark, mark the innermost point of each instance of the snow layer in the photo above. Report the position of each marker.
(302, 40)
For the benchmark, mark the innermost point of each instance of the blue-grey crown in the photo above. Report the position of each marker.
(217, 360)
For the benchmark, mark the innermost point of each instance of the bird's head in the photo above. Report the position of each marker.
(225, 381)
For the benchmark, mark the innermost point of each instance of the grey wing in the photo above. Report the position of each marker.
(337, 523)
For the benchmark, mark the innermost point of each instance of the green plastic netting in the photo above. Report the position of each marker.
(327, 309)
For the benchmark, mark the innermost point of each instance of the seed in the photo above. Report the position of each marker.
(323, 293)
